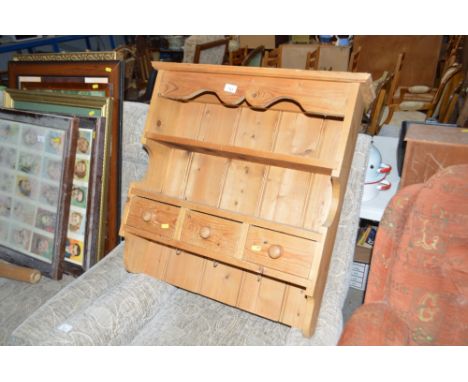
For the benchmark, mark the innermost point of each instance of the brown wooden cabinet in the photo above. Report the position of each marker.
(430, 148)
(247, 171)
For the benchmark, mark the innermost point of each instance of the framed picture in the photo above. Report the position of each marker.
(108, 73)
(70, 56)
(95, 90)
(37, 158)
(88, 208)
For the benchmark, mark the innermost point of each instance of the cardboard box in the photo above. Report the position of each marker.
(362, 254)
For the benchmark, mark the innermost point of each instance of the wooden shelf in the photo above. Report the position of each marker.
(246, 154)
(290, 230)
(245, 182)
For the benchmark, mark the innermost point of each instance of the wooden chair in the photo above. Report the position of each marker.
(441, 104)
(204, 47)
(236, 57)
(312, 60)
(377, 108)
(354, 59)
(255, 57)
(390, 104)
(272, 58)
(451, 54)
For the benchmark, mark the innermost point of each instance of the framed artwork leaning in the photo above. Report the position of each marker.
(37, 158)
(95, 90)
(88, 209)
(107, 75)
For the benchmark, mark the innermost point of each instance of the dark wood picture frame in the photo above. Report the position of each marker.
(42, 145)
(110, 72)
(96, 90)
(92, 230)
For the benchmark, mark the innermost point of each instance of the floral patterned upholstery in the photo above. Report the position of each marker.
(418, 284)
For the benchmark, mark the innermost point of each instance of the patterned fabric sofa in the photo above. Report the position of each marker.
(108, 306)
(418, 284)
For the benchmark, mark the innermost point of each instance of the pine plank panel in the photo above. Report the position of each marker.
(299, 135)
(333, 132)
(147, 257)
(218, 126)
(221, 282)
(285, 195)
(177, 167)
(318, 203)
(185, 271)
(243, 187)
(293, 312)
(261, 295)
(244, 180)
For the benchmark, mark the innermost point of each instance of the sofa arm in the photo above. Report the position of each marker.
(374, 325)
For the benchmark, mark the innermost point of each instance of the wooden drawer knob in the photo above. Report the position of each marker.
(147, 216)
(275, 251)
(205, 232)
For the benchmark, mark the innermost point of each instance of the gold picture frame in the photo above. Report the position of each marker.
(70, 56)
(83, 107)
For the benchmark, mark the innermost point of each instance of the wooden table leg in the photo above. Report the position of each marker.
(15, 272)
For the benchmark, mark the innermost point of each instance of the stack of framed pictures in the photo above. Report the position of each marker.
(37, 160)
(85, 234)
(88, 75)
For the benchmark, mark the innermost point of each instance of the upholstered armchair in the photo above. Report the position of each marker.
(417, 292)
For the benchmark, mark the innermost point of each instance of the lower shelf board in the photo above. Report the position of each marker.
(254, 293)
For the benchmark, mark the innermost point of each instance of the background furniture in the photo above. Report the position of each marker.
(237, 56)
(313, 59)
(354, 59)
(438, 105)
(272, 58)
(209, 49)
(417, 290)
(422, 56)
(244, 211)
(430, 148)
(268, 41)
(139, 310)
(255, 57)
(332, 57)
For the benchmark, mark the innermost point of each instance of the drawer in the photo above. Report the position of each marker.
(154, 217)
(211, 232)
(279, 251)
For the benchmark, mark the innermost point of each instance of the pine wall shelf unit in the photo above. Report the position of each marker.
(246, 176)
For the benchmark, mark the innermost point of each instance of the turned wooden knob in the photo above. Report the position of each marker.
(205, 232)
(275, 251)
(147, 216)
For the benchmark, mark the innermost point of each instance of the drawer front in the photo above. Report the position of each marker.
(210, 232)
(154, 217)
(275, 250)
